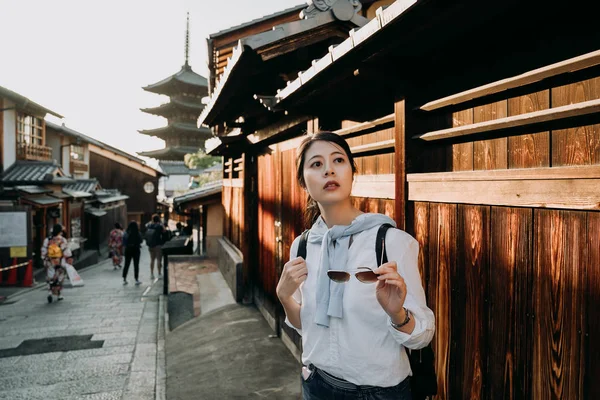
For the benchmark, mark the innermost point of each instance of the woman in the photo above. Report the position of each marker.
(132, 241)
(55, 255)
(353, 333)
(115, 245)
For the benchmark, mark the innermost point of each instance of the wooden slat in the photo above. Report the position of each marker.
(442, 267)
(592, 352)
(579, 145)
(560, 270)
(400, 162)
(510, 305)
(578, 194)
(233, 183)
(492, 153)
(552, 114)
(536, 75)
(583, 172)
(367, 127)
(468, 300)
(530, 150)
(462, 153)
(357, 151)
(374, 186)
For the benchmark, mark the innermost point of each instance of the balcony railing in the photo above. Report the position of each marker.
(78, 166)
(28, 151)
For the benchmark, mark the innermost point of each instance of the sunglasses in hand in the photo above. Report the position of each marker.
(364, 275)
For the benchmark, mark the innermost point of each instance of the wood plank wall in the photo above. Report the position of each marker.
(515, 291)
(233, 204)
(373, 165)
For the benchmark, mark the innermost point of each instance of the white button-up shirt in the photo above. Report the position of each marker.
(362, 347)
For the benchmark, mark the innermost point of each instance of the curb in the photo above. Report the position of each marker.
(161, 360)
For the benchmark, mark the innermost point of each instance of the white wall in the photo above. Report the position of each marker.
(86, 159)
(177, 182)
(10, 135)
(53, 141)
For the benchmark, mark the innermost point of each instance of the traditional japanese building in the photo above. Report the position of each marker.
(182, 136)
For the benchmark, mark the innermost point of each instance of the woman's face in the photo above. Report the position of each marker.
(327, 173)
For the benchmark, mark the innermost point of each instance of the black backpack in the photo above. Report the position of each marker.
(153, 235)
(423, 382)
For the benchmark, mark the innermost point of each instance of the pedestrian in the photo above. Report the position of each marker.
(132, 241)
(55, 254)
(115, 245)
(154, 241)
(353, 333)
(179, 229)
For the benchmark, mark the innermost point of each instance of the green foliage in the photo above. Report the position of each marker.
(200, 160)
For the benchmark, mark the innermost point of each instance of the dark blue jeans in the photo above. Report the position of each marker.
(319, 386)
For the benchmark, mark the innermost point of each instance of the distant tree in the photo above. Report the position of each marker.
(200, 160)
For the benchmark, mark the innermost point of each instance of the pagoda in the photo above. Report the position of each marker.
(181, 135)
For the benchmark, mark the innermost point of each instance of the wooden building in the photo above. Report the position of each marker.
(101, 170)
(488, 154)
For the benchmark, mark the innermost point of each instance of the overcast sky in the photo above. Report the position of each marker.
(88, 60)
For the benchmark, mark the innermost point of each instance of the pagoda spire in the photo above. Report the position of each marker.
(187, 40)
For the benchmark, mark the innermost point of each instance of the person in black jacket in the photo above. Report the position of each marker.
(132, 240)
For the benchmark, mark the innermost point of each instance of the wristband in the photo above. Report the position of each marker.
(406, 320)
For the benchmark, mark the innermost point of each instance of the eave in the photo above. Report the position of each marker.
(257, 64)
(169, 153)
(185, 80)
(178, 129)
(168, 109)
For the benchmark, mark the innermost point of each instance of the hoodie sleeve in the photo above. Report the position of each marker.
(404, 249)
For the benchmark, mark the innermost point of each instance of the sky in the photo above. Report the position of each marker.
(88, 60)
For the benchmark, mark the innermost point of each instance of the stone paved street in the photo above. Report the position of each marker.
(128, 319)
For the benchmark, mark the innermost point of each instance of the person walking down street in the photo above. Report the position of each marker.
(154, 241)
(115, 245)
(356, 313)
(132, 241)
(56, 254)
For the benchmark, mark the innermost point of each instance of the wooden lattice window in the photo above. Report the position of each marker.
(30, 129)
(77, 152)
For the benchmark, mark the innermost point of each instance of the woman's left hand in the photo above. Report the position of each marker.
(391, 289)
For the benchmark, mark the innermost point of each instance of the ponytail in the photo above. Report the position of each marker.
(311, 213)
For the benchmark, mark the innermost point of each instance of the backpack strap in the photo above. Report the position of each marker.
(423, 381)
(302, 244)
(379, 248)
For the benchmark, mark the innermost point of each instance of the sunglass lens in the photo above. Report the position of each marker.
(366, 276)
(338, 276)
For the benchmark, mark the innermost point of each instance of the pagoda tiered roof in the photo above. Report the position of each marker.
(173, 153)
(184, 81)
(178, 128)
(168, 109)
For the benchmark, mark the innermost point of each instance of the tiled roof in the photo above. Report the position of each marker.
(83, 185)
(185, 75)
(174, 153)
(25, 103)
(298, 8)
(87, 139)
(177, 168)
(34, 172)
(197, 194)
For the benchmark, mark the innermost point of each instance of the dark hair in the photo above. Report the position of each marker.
(312, 211)
(133, 227)
(118, 225)
(56, 229)
(155, 218)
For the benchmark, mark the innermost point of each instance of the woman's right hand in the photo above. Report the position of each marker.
(294, 273)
